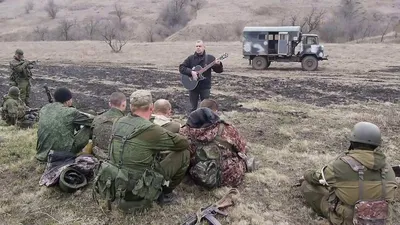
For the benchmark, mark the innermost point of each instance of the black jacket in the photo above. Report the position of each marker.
(196, 59)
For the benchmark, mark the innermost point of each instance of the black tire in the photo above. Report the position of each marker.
(259, 63)
(309, 63)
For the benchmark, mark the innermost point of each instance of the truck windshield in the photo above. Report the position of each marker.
(311, 40)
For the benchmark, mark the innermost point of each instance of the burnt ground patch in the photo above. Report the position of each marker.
(93, 84)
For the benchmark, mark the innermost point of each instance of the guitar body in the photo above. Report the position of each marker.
(188, 81)
(191, 84)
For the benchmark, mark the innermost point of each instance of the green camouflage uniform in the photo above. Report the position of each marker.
(20, 77)
(166, 123)
(136, 177)
(335, 201)
(57, 125)
(101, 126)
(13, 109)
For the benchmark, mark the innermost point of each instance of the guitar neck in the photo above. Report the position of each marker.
(206, 67)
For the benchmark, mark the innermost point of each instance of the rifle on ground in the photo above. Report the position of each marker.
(49, 97)
(210, 211)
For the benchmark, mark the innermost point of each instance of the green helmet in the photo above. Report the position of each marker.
(19, 52)
(71, 180)
(13, 92)
(367, 133)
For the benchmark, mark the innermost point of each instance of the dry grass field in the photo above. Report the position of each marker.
(293, 121)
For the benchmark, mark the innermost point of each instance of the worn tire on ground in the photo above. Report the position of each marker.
(259, 63)
(309, 63)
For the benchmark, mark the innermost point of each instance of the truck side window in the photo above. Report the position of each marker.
(261, 36)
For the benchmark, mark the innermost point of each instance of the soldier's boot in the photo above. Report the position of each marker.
(166, 198)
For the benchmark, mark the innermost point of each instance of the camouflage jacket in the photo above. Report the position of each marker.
(165, 123)
(20, 70)
(13, 109)
(101, 126)
(57, 125)
(233, 167)
(147, 139)
(343, 182)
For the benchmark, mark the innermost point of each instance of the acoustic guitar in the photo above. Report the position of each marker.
(191, 84)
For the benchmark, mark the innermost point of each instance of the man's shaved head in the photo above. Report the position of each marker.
(162, 106)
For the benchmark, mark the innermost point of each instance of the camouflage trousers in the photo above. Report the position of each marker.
(317, 197)
(173, 168)
(24, 87)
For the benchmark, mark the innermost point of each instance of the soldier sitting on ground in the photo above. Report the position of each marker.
(361, 173)
(62, 127)
(102, 124)
(15, 112)
(135, 142)
(221, 142)
(162, 116)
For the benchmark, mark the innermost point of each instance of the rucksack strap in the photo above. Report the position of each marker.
(358, 167)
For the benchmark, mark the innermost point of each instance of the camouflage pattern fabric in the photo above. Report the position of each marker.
(341, 183)
(165, 123)
(101, 126)
(58, 161)
(371, 213)
(132, 168)
(60, 130)
(13, 112)
(233, 167)
(20, 77)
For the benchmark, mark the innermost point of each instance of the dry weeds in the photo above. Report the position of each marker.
(287, 135)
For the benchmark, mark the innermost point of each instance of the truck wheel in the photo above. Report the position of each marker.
(259, 63)
(309, 63)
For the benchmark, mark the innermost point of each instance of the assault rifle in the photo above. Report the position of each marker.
(49, 97)
(208, 213)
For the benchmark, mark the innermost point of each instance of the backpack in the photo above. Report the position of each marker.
(113, 181)
(368, 212)
(207, 168)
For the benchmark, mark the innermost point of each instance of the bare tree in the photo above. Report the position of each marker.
(51, 8)
(388, 22)
(65, 28)
(41, 32)
(91, 27)
(314, 19)
(28, 6)
(150, 31)
(113, 37)
(118, 12)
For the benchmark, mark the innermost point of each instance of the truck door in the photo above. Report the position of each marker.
(283, 43)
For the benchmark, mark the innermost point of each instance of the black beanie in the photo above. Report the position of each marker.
(62, 94)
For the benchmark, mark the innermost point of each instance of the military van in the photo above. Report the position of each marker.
(263, 45)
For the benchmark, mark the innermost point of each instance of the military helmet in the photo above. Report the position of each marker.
(71, 180)
(366, 133)
(13, 91)
(19, 52)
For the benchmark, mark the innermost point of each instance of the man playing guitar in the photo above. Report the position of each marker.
(203, 87)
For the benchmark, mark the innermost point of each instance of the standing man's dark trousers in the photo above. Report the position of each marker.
(194, 97)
